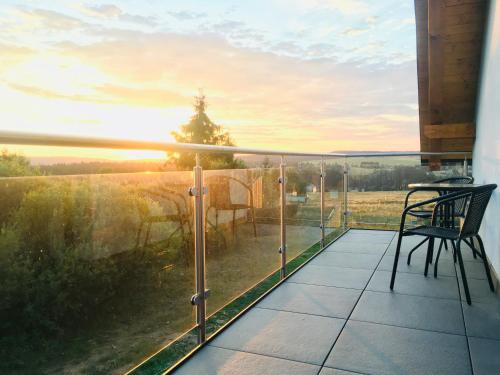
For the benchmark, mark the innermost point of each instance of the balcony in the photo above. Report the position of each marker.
(336, 315)
(281, 266)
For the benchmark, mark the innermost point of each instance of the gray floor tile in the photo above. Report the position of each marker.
(333, 371)
(379, 349)
(467, 253)
(483, 319)
(434, 314)
(366, 237)
(446, 267)
(371, 233)
(485, 356)
(415, 284)
(479, 290)
(312, 299)
(332, 276)
(474, 270)
(365, 247)
(218, 361)
(299, 337)
(332, 258)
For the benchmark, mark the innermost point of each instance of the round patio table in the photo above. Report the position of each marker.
(442, 187)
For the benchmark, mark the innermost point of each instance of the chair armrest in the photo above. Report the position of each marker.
(458, 194)
(415, 191)
(446, 199)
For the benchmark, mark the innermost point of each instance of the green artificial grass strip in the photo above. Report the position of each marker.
(175, 351)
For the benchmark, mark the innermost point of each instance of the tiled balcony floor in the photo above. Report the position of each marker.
(337, 316)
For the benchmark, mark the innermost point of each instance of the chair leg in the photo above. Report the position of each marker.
(139, 232)
(396, 259)
(415, 248)
(252, 210)
(454, 251)
(446, 245)
(485, 262)
(148, 231)
(462, 272)
(234, 223)
(428, 259)
(443, 241)
(473, 248)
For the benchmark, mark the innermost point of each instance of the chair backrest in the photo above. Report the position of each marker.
(459, 204)
(478, 201)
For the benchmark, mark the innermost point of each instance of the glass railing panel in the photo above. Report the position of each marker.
(96, 271)
(303, 204)
(334, 197)
(378, 187)
(242, 215)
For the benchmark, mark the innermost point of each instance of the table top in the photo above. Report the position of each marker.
(442, 186)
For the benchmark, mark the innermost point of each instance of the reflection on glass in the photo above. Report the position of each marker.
(96, 271)
(242, 230)
(303, 212)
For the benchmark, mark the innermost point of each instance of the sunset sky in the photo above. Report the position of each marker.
(316, 75)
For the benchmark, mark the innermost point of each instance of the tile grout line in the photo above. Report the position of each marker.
(302, 313)
(463, 318)
(326, 286)
(351, 268)
(412, 328)
(262, 355)
(349, 371)
(354, 307)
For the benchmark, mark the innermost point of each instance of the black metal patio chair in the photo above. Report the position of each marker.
(425, 213)
(476, 201)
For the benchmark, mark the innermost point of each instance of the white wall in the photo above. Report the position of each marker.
(486, 164)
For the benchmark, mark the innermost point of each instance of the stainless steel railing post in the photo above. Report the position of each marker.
(322, 202)
(282, 250)
(346, 189)
(199, 299)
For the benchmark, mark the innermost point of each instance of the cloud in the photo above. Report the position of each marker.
(260, 88)
(227, 26)
(110, 11)
(187, 15)
(249, 90)
(346, 7)
(51, 94)
(102, 11)
(48, 19)
(371, 20)
(140, 96)
(135, 18)
(355, 31)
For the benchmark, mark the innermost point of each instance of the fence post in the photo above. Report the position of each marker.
(282, 250)
(346, 189)
(322, 202)
(199, 299)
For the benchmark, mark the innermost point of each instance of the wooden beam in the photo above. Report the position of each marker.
(435, 9)
(436, 59)
(464, 130)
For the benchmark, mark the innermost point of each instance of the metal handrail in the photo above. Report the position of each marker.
(40, 139)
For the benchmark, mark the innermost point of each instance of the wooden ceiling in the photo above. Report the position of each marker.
(449, 46)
